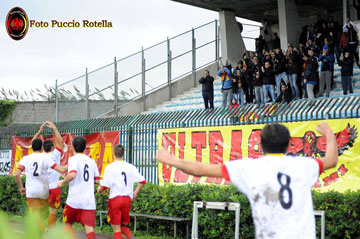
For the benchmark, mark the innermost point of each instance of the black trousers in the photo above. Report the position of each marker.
(208, 97)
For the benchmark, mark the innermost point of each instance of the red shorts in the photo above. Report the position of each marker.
(85, 217)
(54, 198)
(38, 205)
(119, 210)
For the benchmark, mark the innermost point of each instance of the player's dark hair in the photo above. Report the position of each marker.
(119, 151)
(48, 144)
(79, 144)
(275, 138)
(36, 144)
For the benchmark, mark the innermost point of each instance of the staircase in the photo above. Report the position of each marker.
(192, 99)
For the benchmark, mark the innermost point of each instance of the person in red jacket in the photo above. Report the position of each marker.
(234, 104)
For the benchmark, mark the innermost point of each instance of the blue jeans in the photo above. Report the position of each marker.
(239, 96)
(259, 96)
(266, 89)
(278, 78)
(346, 82)
(294, 87)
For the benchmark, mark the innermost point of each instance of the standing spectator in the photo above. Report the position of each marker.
(351, 31)
(279, 64)
(346, 63)
(238, 82)
(268, 81)
(234, 104)
(249, 86)
(268, 39)
(260, 45)
(311, 74)
(293, 70)
(304, 35)
(258, 78)
(225, 76)
(276, 41)
(208, 89)
(327, 65)
(285, 95)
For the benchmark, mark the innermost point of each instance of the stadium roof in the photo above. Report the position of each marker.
(258, 10)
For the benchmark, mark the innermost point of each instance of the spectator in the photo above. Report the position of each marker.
(326, 69)
(226, 83)
(346, 63)
(268, 82)
(268, 39)
(285, 95)
(208, 89)
(351, 30)
(311, 74)
(293, 70)
(248, 76)
(279, 64)
(237, 86)
(304, 35)
(260, 45)
(276, 41)
(258, 78)
(233, 104)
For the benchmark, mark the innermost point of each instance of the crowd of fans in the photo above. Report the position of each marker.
(271, 74)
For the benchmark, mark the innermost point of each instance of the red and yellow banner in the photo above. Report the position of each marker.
(218, 145)
(98, 147)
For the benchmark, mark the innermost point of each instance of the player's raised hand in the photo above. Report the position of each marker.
(50, 125)
(324, 129)
(163, 156)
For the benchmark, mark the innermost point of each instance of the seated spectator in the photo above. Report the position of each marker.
(268, 82)
(311, 75)
(326, 69)
(234, 104)
(346, 63)
(285, 95)
(226, 83)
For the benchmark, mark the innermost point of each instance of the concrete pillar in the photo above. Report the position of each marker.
(344, 11)
(289, 23)
(232, 44)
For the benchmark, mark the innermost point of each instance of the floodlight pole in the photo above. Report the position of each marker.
(56, 101)
(116, 82)
(169, 67)
(216, 41)
(193, 56)
(143, 77)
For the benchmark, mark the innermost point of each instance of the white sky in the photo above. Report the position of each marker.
(46, 54)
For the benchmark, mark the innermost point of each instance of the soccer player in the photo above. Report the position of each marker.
(120, 177)
(80, 203)
(36, 166)
(278, 186)
(53, 177)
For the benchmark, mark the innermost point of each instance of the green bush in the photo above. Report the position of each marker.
(6, 109)
(342, 209)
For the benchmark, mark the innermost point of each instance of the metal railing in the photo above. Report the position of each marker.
(138, 74)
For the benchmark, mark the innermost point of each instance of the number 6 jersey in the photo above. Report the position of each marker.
(279, 191)
(81, 188)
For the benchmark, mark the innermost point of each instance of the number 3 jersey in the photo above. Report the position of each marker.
(81, 189)
(36, 166)
(120, 177)
(279, 191)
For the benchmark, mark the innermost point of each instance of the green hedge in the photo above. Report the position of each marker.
(6, 109)
(342, 209)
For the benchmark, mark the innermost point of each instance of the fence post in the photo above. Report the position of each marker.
(87, 95)
(216, 41)
(143, 77)
(116, 91)
(169, 67)
(193, 56)
(56, 101)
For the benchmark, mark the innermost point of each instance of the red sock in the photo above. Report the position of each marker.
(117, 235)
(91, 235)
(52, 220)
(126, 231)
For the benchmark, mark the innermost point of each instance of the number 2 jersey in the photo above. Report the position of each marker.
(36, 166)
(120, 177)
(81, 189)
(279, 191)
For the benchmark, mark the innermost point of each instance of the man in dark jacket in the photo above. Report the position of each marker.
(311, 74)
(347, 64)
(285, 95)
(327, 66)
(276, 41)
(208, 89)
(268, 81)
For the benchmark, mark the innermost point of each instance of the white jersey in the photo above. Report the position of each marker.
(279, 192)
(53, 176)
(81, 189)
(36, 166)
(120, 177)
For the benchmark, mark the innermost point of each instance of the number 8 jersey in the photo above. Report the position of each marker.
(81, 188)
(279, 191)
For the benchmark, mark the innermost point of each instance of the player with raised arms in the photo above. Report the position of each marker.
(36, 166)
(120, 177)
(80, 203)
(278, 186)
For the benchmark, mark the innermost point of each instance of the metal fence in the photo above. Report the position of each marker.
(138, 133)
(139, 74)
